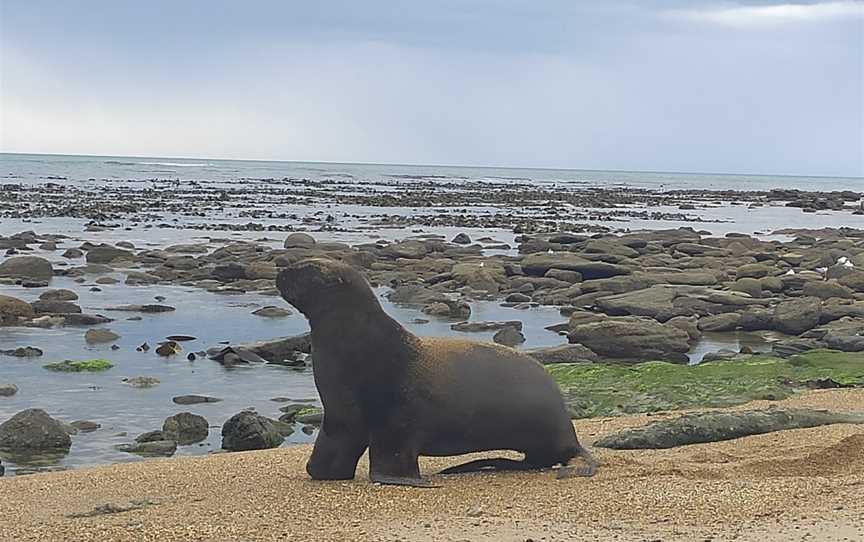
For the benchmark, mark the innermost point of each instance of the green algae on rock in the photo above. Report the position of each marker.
(613, 390)
(69, 366)
(700, 427)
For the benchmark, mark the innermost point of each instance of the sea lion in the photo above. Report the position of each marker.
(403, 396)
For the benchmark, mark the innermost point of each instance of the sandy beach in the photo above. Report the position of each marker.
(789, 485)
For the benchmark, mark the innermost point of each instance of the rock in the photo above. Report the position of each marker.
(151, 436)
(8, 390)
(717, 426)
(720, 355)
(517, 297)
(23, 352)
(73, 319)
(687, 324)
(750, 286)
(310, 415)
(106, 254)
(169, 348)
(33, 431)
(59, 295)
(273, 351)
(409, 249)
(853, 280)
(141, 381)
(186, 428)
(449, 308)
(538, 264)
(632, 338)
(509, 336)
(100, 335)
(137, 278)
(462, 239)
(753, 270)
(720, 322)
(247, 430)
(564, 275)
(646, 302)
(272, 312)
(826, 290)
(568, 353)
(229, 272)
(472, 327)
(55, 307)
(85, 426)
(194, 399)
(106, 280)
(27, 267)
(12, 308)
(153, 448)
(299, 240)
(72, 253)
(795, 316)
(147, 309)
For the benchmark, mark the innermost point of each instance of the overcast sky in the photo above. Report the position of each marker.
(762, 87)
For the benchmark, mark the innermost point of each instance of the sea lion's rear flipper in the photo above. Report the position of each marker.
(496, 464)
(397, 481)
(570, 471)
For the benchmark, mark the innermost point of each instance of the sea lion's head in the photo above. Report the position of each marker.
(316, 285)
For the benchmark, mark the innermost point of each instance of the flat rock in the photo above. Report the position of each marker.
(473, 327)
(632, 338)
(272, 312)
(194, 399)
(568, 353)
(704, 427)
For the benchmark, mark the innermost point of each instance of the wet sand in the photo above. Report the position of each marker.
(791, 485)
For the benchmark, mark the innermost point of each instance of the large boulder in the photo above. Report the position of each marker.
(33, 431)
(105, 254)
(49, 306)
(12, 308)
(539, 263)
(299, 240)
(27, 267)
(185, 428)
(247, 430)
(826, 290)
(795, 316)
(633, 338)
(59, 294)
(646, 302)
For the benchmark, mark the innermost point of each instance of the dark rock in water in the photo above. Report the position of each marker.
(568, 353)
(85, 319)
(142, 308)
(153, 448)
(310, 416)
(486, 326)
(151, 436)
(509, 336)
(33, 431)
(168, 349)
(143, 347)
(231, 355)
(272, 312)
(517, 297)
(59, 294)
(274, 350)
(85, 426)
(180, 338)
(100, 335)
(27, 267)
(8, 390)
(23, 352)
(105, 254)
(194, 399)
(2, 469)
(703, 427)
(191, 356)
(55, 307)
(72, 253)
(249, 431)
(186, 428)
(462, 239)
(796, 316)
(448, 308)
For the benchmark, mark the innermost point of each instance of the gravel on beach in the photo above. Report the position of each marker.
(791, 485)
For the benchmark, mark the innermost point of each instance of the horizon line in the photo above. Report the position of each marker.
(463, 166)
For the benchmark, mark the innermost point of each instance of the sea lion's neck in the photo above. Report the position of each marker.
(366, 333)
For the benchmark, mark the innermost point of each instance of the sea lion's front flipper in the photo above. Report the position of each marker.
(398, 481)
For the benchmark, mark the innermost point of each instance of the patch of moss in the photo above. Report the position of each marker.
(307, 410)
(613, 390)
(69, 366)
